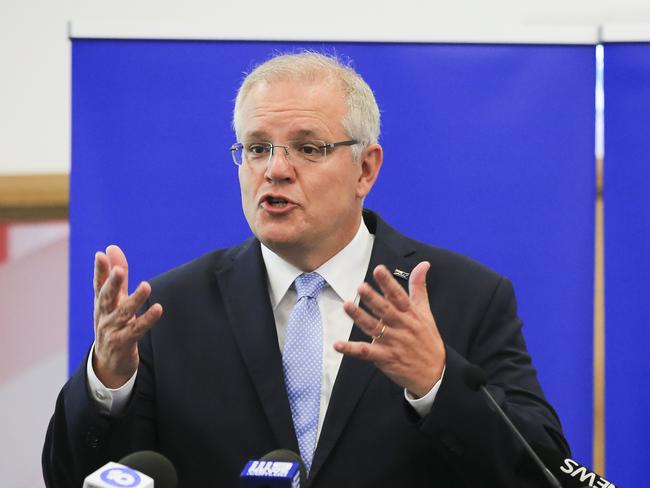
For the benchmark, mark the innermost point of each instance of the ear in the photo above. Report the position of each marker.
(371, 160)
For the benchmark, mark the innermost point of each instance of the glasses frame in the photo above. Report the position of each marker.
(328, 146)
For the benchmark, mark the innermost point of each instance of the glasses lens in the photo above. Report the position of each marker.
(236, 152)
(251, 153)
(308, 151)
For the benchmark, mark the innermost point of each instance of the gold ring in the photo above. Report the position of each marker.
(381, 333)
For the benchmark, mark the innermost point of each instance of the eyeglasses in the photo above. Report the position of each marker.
(258, 154)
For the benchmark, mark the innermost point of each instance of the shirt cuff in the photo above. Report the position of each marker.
(423, 405)
(111, 401)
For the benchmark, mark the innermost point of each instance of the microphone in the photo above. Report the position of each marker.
(290, 456)
(475, 379)
(155, 465)
(571, 472)
(137, 470)
(277, 469)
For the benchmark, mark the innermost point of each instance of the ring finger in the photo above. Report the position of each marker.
(377, 303)
(365, 321)
(380, 331)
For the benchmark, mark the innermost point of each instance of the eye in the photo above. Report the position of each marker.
(257, 149)
(310, 150)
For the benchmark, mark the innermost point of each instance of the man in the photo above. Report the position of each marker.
(328, 333)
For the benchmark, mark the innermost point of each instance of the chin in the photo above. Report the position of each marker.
(277, 238)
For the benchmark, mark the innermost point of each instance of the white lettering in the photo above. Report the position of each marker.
(584, 475)
(569, 468)
(271, 469)
(574, 469)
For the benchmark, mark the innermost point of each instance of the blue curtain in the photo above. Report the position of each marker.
(488, 151)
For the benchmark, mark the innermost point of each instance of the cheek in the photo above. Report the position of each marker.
(246, 186)
(247, 190)
(336, 198)
(346, 186)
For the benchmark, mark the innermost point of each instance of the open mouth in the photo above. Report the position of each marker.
(276, 202)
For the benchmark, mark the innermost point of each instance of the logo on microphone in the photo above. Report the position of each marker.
(121, 477)
(273, 469)
(572, 468)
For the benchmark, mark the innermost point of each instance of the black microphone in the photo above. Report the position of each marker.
(154, 465)
(475, 379)
(569, 471)
(288, 456)
(277, 469)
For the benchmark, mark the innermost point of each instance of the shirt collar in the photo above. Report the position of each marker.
(349, 262)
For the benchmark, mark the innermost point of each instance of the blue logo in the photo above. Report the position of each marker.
(122, 477)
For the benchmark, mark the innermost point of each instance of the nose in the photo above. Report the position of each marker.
(278, 167)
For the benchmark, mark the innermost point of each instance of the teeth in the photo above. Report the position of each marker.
(277, 202)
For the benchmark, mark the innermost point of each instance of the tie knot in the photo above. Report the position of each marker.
(309, 285)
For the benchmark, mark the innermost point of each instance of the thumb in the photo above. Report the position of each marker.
(418, 284)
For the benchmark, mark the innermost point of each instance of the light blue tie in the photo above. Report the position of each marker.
(302, 361)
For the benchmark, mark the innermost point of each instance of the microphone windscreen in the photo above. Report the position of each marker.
(154, 465)
(474, 377)
(287, 456)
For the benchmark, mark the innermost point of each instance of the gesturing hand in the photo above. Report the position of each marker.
(117, 329)
(410, 350)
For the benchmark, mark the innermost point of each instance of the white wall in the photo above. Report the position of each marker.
(35, 51)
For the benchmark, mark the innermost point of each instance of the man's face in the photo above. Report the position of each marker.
(323, 200)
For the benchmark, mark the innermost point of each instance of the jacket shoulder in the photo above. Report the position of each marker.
(199, 270)
(446, 265)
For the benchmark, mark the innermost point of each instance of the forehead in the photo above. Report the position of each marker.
(293, 106)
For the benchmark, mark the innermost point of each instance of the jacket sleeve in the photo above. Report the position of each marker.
(80, 439)
(466, 431)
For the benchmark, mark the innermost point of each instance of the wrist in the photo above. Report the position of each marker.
(111, 377)
(422, 388)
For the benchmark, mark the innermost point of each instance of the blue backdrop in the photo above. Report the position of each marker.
(508, 172)
(627, 247)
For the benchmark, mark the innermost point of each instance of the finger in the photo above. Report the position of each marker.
(391, 289)
(125, 312)
(109, 293)
(378, 305)
(362, 319)
(102, 269)
(359, 350)
(148, 319)
(123, 338)
(117, 258)
(418, 284)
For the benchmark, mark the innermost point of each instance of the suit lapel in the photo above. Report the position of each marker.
(246, 299)
(354, 375)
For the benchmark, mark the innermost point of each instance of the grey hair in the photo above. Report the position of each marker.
(362, 119)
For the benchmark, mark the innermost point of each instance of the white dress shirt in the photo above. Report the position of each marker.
(344, 272)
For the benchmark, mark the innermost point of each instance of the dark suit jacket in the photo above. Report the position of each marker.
(210, 394)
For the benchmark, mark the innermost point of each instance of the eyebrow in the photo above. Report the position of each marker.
(264, 136)
(258, 135)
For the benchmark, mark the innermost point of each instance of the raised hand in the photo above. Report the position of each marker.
(407, 346)
(117, 329)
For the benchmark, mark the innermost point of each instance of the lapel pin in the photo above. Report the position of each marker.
(401, 274)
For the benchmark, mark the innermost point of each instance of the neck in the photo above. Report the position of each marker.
(309, 259)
